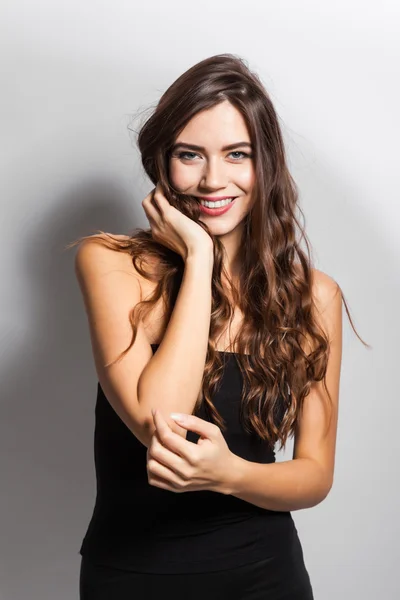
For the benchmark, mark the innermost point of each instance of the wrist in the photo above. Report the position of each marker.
(203, 256)
(233, 476)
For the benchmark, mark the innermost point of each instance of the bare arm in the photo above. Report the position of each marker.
(170, 380)
(307, 479)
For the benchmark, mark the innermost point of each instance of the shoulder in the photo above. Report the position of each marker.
(325, 289)
(93, 247)
(327, 298)
(95, 256)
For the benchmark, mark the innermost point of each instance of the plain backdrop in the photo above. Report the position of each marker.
(73, 75)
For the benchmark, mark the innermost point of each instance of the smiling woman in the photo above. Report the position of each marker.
(209, 173)
(214, 312)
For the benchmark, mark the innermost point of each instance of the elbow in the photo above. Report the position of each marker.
(143, 433)
(325, 489)
(324, 484)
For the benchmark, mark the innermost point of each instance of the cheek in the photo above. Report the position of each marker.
(180, 177)
(247, 178)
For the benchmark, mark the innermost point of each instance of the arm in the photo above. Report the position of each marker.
(289, 485)
(169, 380)
(307, 479)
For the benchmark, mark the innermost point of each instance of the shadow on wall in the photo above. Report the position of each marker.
(47, 400)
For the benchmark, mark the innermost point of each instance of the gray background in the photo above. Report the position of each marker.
(72, 74)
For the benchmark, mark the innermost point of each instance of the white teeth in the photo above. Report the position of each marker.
(216, 204)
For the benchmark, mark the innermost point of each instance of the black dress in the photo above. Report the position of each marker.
(143, 541)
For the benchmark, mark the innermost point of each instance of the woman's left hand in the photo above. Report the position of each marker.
(177, 465)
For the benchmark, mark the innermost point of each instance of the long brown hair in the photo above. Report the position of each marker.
(273, 290)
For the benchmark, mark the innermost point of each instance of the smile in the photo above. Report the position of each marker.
(216, 208)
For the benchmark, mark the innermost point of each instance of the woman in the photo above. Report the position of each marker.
(214, 314)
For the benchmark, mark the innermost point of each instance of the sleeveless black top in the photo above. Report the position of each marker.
(143, 528)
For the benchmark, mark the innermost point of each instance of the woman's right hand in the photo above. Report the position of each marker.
(172, 228)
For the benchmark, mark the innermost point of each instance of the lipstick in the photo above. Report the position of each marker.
(216, 212)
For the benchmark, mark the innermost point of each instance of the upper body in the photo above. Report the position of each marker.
(137, 524)
(110, 285)
(229, 220)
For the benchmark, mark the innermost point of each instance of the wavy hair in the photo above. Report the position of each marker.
(281, 349)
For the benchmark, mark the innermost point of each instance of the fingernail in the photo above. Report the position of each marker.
(177, 417)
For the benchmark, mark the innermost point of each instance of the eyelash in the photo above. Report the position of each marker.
(182, 154)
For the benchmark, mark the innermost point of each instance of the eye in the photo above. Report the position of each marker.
(185, 155)
(244, 155)
(188, 155)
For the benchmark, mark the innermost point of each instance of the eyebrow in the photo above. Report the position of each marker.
(202, 149)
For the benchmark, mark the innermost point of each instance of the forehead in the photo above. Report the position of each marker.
(215, 127)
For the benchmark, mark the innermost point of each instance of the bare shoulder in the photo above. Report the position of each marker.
(93, 254)
(95, 262)
(112, 286)
(326, 301)
(324, 289)
(328, 304)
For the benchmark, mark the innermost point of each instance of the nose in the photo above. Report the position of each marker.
(214, 175)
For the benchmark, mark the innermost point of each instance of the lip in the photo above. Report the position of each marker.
(215, 212)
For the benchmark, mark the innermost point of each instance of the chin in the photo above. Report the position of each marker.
(220, 228)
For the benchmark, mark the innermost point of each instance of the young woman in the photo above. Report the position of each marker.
(213, 338)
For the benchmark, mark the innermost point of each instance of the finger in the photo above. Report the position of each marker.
(159, 198)
(147, 200)
(157, 470)
(173, 441)
(200, 426)
(161, 483)
(157, 451)
(151, 209)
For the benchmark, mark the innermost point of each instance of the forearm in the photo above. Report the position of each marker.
(172, 379)
(281, 486)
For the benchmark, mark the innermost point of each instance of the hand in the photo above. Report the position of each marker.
(172, 228)
(177, 465)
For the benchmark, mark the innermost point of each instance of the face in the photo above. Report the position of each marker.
(212, 171)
